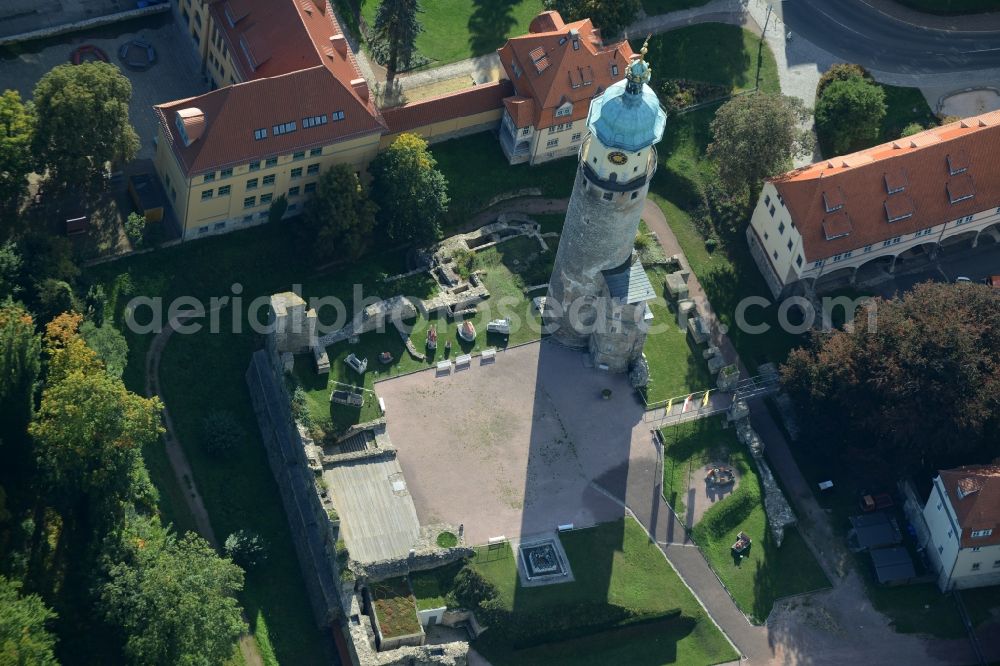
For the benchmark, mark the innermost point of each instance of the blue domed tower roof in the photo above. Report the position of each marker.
(628, 115)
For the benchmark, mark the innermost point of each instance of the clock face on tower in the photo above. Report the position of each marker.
(617, 158)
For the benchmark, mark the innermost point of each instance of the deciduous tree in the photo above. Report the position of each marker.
(412, 195)
(173, 597)
(20, 364)
(919, 392)
(849, 115)
(397, 26)
(755, 136)
(17, 128)
(339, 220)
(611, 16)
(89, 430)
(24, 638)
(82, 120)
(109, 344)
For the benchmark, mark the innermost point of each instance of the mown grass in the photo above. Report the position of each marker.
(614, 564)
(457, 29)
(768, 572)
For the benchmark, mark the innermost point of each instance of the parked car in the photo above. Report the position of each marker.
(962, 278)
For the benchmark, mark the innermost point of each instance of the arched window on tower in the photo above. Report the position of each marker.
(613, 177)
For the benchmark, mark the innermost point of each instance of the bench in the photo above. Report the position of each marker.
(566, 527)
(489, 355)
(381, 405)
(464, 359)
(497, 540)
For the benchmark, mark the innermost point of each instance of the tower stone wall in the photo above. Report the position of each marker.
(598, 235)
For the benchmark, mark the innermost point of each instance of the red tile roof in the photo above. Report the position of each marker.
(561, 63)
(936, 176)
(233, 113)
(974, 493)
(467, 102)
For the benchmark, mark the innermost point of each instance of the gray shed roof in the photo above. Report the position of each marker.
(876, 529)
(893, 564)
(629, 282)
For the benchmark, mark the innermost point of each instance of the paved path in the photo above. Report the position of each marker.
(182, 468)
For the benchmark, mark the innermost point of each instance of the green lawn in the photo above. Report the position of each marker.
(654, 7)
(952, 6)
(459, 29)
(768, 572)
(615, 566)
(675, 364)
(394, 607)
(472, 185)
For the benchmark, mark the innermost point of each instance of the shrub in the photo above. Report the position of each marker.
(642, 242)
(222, 434)
(841, 72)
(135, 228)
(277, 209)
(911, 129)
(246, 548)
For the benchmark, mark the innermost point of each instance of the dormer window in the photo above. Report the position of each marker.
(958, 163)
(895, 181)
(564, 110)
(961, 188)
(614, 69)
(259, 134)
(898, 208)
(179, 124)
(833, 200)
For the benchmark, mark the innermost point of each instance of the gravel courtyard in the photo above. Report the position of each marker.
(521, 445)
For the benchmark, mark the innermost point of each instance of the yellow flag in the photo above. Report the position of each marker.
(704, 402)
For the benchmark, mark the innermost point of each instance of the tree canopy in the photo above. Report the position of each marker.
(173, 597)
(20, 365)
(412, 195)
(24, 638)
(841, 71)
(919, 392)
(611, 16)
(82, 120)
(338, 221)
(89, 430)
(849, 115)
(397, 27)
(755, 136)
(17, 129)
(109, 344)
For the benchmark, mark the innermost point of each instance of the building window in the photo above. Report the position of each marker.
(255, 166)
(798, 261)
(552, 143)
(315, 152)
(250, 202)
(271, 161)
(771, 210)
(767, 200)
(564, 111)
(940, 549)
(789, 245)
(576, 137)
(203, 230)
(525, 131)
(765, 236)
(206, 195)
(975, 566)
(312, 169)
(868, 248)
(299, 155)
(252, 184)
(309, 188)
(266, 198)
(313, 121)
(635, 194)
(297, 172)
(818, 264)
(209, 177)
(781, 228)
(607, 196)
(284, 128)
(219, 226)
(614, 70)
(224, 190)
(776, 255)
(293, 191)
(269, 180)
(996, 564)
(337, 115)
(981, 533)
(259, 134)
(225, 173)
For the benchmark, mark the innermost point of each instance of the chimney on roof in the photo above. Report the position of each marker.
(967, 486)
(361, 88)
(339, 43)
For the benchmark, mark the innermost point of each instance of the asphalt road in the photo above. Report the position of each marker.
(854, 31)
(974, 264)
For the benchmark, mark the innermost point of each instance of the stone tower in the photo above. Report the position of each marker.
(598, 290)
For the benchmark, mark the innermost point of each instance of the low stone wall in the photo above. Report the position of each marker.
(86, 24)
(363, 647)
(383, 569)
